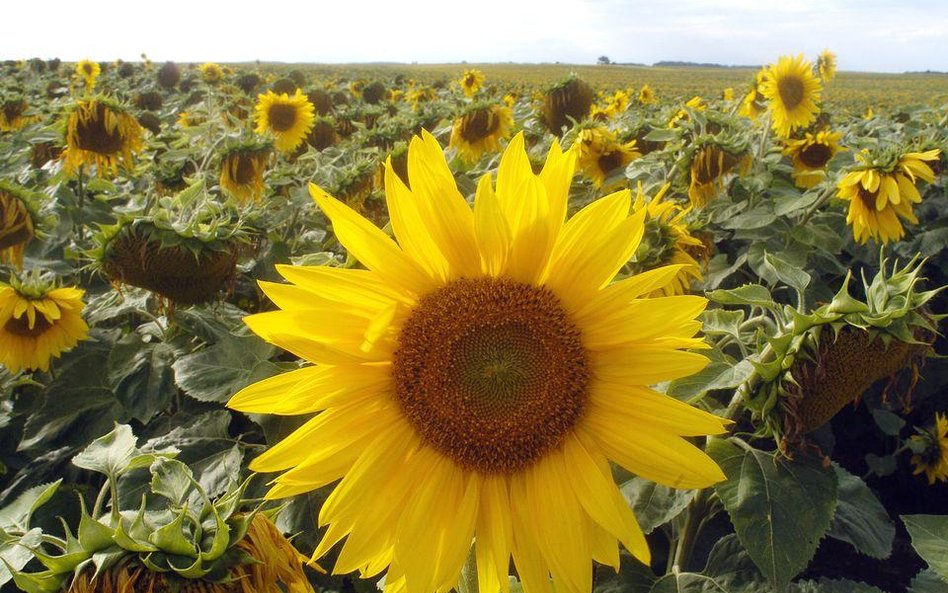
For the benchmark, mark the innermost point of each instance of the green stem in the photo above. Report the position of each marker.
(100, 499)
(697, 511)
(824, 197)
(468, 582)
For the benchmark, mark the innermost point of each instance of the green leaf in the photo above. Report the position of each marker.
(16, 553)
(860, 518)
(928, 581)
(633, 577)
(653, 504)
(219, 371)
(93, 535)
(112, 454)
(790, 274)
(141, 375)
(170, 538)
(929, 535)
(687, 582)
(749, 294)
(754, 219)
(731, 566)
(890, 423)
(780, 508)
(719, 374)
(722, 322)
(16, 515)
(171, 479)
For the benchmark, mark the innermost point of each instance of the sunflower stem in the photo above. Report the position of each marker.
(697, 512)
(468, 582)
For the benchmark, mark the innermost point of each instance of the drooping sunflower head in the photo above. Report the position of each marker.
(667, 241)
(287, 118)
(242, 169)
(14, 114)
(793, 94)
(471, 81)
(18, 222)
(168, 75)
(211, 72)
(321, 100)
(374, 92)
(826, 65)
(811, 155)
(566, 102)
(102, 133)
(601, 154)
(681, 116)
(486, 368)
(881, 192)
(38, 322)
(754, 103)
(710, 168)
(479, 130)
(931, 451)
(88, 73)
(647, 96)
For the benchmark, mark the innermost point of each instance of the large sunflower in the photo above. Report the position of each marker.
(100, 132)
(793, 92)
(288, 119)
(601, 154)
(37, 324)
(475, 381)
(480, 129)
(879, 196)
(810, 156)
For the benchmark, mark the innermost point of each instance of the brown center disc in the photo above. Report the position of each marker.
(791, 91)
(491, 372)
(92, 134)
(282, 116)
(20, 326)
(815, 156)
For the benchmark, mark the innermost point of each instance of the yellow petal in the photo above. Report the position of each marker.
(493, 234)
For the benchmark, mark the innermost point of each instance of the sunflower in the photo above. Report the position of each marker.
(647, 95)
(38, 323)
(880, 195)
(13, 115)
(617, 104)
(211, 72)
(480, 129)
(476, 380)
(793, 92)
(100, 132)
(242, 169)
(932, 458)
(566, 102)
(88, 72)
(288, 119)
(666, 242)
(754, 103)
(695, 103)
(810, 156)
(471, 82)
(601, 154)
(826, 65)
(17, 222)
(710, 165)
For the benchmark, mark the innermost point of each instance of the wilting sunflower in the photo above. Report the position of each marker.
(13, 115)
(601, 154)
(288, 119)
(37, 323)
(708, 172)
(666, 242)
(211, 72)
(810, 156)
(476, 380)
(793, 93)
(100, 132)
(480, 129)
(88, 72)
(826, 65)
(242, 169)
(471, 82)
(647, 95)
(17, 222)
(695, 103)
(880, 193)
(754, 103)
(566, 102)
(932, 460)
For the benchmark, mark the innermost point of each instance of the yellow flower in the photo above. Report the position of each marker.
(617, 104)
(647, 95)
(288, 119)
(510, 99)
(12, 115)
(826, 65)
(708, 172)
(754, 103)
(471, 82)
(475, 381)
(16, 223)
(100, 132)
(88, 72)
(695, 103)
(933, 461)
(793, 92)
(479, 130)
(879, 198)
(810, 156)
(37, 327)
(242, 173)
(600, 153)
(728, 94)
(211, 72)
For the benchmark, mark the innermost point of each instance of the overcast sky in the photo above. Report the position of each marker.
(872, 35)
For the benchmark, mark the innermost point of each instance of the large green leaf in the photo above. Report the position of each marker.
(115, 453)
(928, 581)
(731, 567)
(219, 371)
(16, 515)
(140, 373)
(780, 508)
(930, 539)
(860, 518)
(654, 504)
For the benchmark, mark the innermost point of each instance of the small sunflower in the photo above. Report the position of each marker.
(13, 115)
(601, 154)
(287, 118)
(667, 242)
(475, 381)
(471, 82)
(242, 169)
(211, 72)
(100, 132)
(709, 168)
(932, 460)
(617, 104)
(695, 103)
(754, 103)
(647, 95)
(480, 129)
(880, 194)
(17, 222)
(810, 156)
(793, 93)
(826, 65)
(37, 323)
(88, 72)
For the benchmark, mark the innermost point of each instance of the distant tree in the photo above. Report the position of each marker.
(603, 61)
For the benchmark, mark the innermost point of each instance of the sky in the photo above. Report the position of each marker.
(866, 35)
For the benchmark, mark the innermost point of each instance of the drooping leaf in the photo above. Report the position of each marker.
(654, 504)
(930, 539)
(860, 518)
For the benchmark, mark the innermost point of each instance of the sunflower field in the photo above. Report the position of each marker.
(510, 329)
